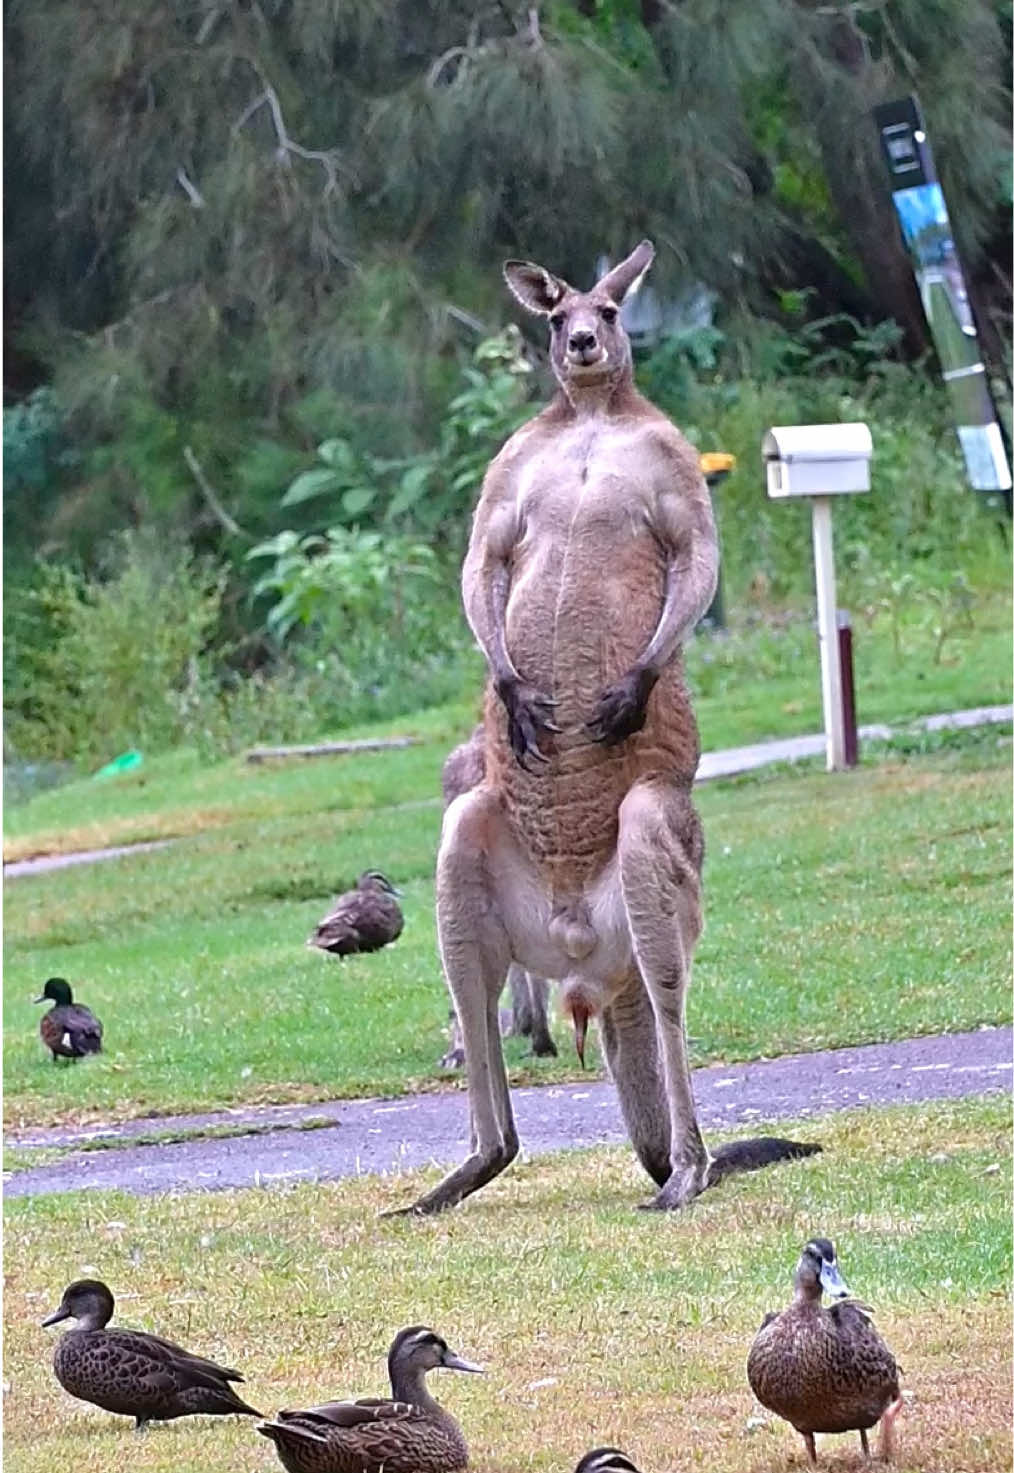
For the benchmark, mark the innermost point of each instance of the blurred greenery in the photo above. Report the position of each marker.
(253, 294)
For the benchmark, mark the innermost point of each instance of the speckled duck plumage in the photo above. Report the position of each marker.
(69, 1030)
(362, 919)
(131, 1372)
(825, 1369)
(410, 1433)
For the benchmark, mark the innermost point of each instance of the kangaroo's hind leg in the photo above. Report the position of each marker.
(630, 1042)
(478, 864)
(660, 850)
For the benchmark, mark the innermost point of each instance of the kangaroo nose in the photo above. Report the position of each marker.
(581, 341)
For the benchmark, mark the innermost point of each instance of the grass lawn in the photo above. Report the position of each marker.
(748, 684)
(596, 1323)
(873, 905)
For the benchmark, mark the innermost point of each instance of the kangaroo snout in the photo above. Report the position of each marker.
(582, 341)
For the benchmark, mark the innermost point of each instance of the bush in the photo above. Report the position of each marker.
(97, 665)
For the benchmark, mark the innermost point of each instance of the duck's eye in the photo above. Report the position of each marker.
(557, 320)
(608, 314)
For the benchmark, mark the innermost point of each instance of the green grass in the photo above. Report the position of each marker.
(748, 684)
(871, 905)
(596, 1323)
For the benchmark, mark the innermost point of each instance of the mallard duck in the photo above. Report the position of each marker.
(68, 1030)
(408, 1434)
(131, 1372)
(606, 1460)
(825, 1370)
(363, 919)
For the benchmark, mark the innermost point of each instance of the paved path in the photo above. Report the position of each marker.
(728, 763)
(376, 1136)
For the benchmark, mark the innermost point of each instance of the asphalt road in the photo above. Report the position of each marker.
(385, 1136)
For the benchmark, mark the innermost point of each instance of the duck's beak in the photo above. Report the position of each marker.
(458, 1363)
(40, 999)
(63, 1313)
(832, 1282)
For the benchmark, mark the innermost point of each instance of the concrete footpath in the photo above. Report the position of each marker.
(363, 1137)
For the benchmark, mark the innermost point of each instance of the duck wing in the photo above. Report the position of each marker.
(172, 1358)
(362, 920)
(71, 1031)
(355, 1413)
(866, 1349)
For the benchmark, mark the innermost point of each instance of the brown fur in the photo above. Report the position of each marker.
(592, 556)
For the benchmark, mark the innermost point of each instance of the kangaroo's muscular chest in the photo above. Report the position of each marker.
(595, 516)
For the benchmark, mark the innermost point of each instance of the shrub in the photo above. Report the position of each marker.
(96, 665)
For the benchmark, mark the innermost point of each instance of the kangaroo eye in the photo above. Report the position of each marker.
(557, 320)
(608, 314)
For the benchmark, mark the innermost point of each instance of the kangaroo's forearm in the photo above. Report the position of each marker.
(690, 582)
(487, 614)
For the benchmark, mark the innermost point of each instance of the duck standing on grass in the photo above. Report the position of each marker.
(825, 1370)
(68, 1030)
(363, 919)
(409, 1434)
(131, 1372)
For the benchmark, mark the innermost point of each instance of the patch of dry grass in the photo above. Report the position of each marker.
(596, 1323)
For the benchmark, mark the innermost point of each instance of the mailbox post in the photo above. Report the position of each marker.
(819, 462)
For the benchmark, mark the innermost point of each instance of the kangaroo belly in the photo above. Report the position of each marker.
(566, 812)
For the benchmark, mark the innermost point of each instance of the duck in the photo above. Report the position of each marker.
(131, 1372)
(606, 1460)
(825, 1369)
(362, 919)
(410, 1433)
(69, 1030)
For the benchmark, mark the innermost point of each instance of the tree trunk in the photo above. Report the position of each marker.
(838, 87)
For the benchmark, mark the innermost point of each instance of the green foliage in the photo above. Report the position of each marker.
(264, 210)
(346, 582)
(435, 489)
(93, 666)
(920, 518)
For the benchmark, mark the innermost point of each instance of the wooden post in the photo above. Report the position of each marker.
(848, 688)
(827, 625)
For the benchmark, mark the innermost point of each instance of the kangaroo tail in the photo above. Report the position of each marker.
(757, 1152)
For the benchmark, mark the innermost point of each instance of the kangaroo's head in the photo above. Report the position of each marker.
(589, 347)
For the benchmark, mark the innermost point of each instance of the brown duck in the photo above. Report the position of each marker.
(408, 1434)
(68, 1030)
(825, 1370)
(134, 1373)
(363, 919)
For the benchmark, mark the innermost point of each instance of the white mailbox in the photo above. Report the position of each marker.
(817, 460)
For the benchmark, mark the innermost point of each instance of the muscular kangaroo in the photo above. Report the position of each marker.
(578, 856)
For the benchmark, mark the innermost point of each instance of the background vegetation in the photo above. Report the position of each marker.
(255, 349)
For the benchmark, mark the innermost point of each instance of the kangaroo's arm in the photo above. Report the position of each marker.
(485, 589)
(688, 536)
(685, 528)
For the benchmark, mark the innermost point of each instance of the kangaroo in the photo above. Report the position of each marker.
(592, 556)
(463, 769)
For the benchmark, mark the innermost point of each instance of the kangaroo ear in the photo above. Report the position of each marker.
(534, 286)
(623, 280)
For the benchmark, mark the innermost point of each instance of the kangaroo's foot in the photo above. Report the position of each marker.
(460, 1183)
(686, 1181)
